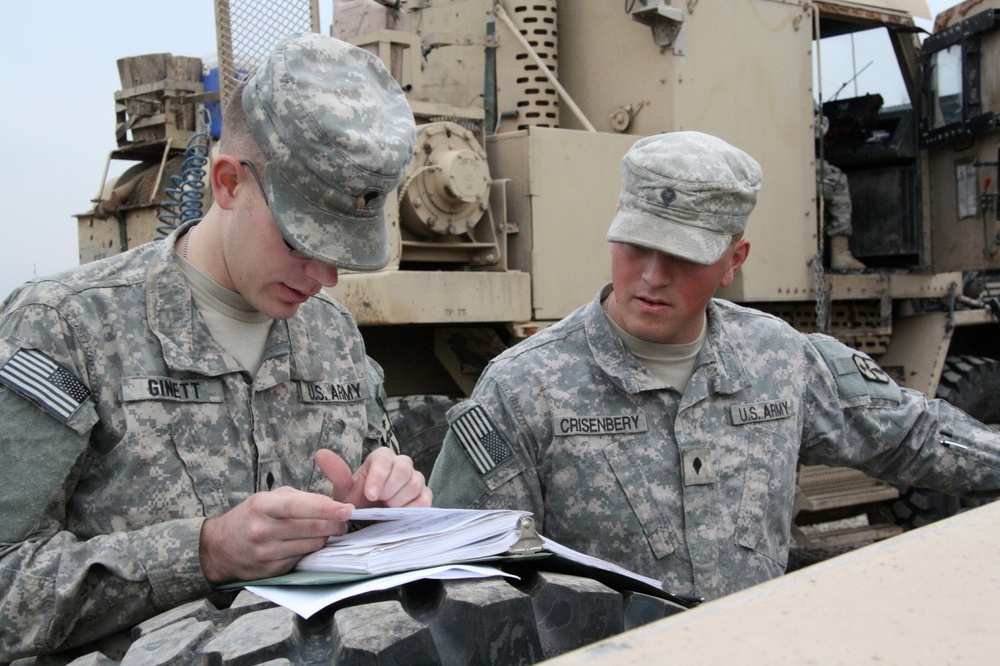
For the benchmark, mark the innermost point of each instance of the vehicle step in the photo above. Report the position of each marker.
(847, 536)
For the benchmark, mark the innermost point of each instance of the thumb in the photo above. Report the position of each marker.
(339, 473)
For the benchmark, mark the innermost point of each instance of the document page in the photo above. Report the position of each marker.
(404, 539)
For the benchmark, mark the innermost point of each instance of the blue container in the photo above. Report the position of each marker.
(211, 81)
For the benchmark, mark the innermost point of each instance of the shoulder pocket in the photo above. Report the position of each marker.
(856, 374)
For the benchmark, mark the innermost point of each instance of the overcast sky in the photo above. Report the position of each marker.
(57, 119)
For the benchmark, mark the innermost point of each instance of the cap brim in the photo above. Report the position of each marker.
(680, 240)
(352, 243)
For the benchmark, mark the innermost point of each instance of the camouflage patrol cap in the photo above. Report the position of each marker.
(337, 134)
(685, 194)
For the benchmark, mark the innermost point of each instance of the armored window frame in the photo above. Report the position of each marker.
(956, 117)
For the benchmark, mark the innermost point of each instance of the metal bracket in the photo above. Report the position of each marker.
(664, 20)
(529, 542)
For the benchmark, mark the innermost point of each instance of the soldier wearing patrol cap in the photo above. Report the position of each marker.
(660, 428)
(162, 407)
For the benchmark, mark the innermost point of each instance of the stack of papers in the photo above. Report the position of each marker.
(307, 600)
(397, 546)
(403, 539)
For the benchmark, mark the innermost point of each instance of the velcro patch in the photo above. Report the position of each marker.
(174, 390)
(46, 383)
(762, 411)
(312, 392)
(481, 440)
(617, 424)
(870, 370)
(697, 467)
(858, 377)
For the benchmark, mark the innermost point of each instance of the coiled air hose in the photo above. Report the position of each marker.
(185, 196)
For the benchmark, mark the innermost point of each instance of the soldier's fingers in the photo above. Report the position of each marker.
(374, 472)
(403, 486)
(338, 471)
(412, 495)
(286, 503)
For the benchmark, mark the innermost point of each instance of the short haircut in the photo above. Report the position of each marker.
(236, 139)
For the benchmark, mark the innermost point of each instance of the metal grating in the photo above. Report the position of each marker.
(859, 324)
(538, 104)
(246, 29)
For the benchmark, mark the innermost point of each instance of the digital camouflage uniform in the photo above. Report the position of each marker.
(694, 489)
(126, 424)
(837, 195)
(102, 507)
(834, 188)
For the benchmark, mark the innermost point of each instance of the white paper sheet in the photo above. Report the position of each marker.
(306, 600)
(413, 538)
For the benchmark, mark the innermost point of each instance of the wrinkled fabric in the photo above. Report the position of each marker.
(337, 134)
(101, 512)
(694, 488)
(686, 194)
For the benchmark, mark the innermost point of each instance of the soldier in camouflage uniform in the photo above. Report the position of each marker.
(162, 407)
(836, 195)
(660, 428)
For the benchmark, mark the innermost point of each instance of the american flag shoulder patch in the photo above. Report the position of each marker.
(46, 383)
(481, 440)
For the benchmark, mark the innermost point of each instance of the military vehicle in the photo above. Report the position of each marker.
(524, 109)
(498, 228)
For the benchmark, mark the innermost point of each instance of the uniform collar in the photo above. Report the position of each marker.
(718, 368)
(173, 317)
(189, 346)
(721, 356)
(610, 353)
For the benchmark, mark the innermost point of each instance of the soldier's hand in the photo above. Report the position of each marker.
(384, 479)
(268, 533)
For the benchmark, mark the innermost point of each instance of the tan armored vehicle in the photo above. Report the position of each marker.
(524, 110)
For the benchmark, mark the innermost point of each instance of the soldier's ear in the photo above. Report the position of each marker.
(740, 252)
(225, 176)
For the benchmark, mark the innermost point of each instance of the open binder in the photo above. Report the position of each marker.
(400, 540)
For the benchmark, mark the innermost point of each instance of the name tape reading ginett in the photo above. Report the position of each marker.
(166, 388)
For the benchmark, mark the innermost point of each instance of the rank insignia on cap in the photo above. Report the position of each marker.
(46, 383)
(870, 370)
(480, 439)
(368, 200)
